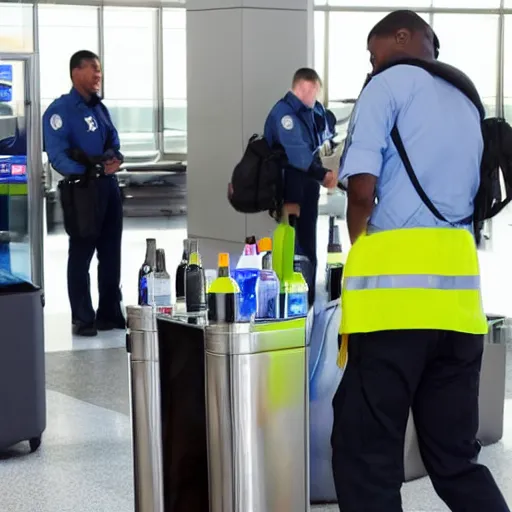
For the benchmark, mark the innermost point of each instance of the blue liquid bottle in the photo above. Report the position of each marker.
(246, 275)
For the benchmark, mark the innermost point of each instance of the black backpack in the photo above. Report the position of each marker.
(495, 190)
(257, 180)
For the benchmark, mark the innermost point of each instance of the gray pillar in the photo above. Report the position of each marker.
(241, 56)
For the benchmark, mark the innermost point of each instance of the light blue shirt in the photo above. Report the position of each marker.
(441, 132)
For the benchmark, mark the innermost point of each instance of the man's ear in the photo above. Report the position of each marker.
(402, 37)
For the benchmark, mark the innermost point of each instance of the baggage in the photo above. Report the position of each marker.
(324, 379)
(22, 368)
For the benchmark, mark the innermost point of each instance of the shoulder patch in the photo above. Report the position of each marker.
(56, 122)
(287, 122)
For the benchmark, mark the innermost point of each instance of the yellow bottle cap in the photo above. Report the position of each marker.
(223, 260)
(265, 245)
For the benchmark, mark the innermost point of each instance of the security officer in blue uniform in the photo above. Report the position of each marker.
(79, 122)
(292, 124)
(389, 372)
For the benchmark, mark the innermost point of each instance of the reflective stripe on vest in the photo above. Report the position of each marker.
(413, 281)
(408, 279)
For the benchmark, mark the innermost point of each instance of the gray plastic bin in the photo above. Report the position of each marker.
(22, 368)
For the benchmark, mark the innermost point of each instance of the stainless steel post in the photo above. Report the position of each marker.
(258, 417)
(142, 345)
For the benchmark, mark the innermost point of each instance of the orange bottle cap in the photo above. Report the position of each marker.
(223, 260)
(265, 245)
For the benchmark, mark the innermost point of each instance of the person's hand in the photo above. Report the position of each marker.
(330, 179)
(291, 209)
(112, 166)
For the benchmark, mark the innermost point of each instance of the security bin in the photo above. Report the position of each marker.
(257, 416)
(491, 400)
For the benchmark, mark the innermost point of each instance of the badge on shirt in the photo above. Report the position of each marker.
(287, 122)
(92, 125)
(56, 122)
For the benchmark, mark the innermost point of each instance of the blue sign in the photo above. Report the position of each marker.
(13, 170)
(5, 83)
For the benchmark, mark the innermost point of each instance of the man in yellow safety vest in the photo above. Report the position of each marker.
(411, 305)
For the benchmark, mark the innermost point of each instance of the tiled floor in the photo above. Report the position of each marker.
(85, 462)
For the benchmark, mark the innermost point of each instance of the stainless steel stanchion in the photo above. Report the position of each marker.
(258, 417)
(142, 345)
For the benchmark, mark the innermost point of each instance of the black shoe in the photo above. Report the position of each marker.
(110, 325)
(86, 330)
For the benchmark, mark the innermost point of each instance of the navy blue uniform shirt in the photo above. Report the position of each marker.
(72, 123)
(291, 124)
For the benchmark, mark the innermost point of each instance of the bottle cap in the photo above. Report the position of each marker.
(223, 260)
(265, 245)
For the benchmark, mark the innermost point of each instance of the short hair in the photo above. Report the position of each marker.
(306, 74)
(396, 20)
(78, 58)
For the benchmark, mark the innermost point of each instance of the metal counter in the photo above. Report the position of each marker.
(220, 414)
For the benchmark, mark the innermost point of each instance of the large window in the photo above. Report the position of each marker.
(319, 62)
(476, 56)
(349, 60)
(130, 78)
(16, 27)
(63, 30)
(128, 46)
(175, 80)
(469, 41)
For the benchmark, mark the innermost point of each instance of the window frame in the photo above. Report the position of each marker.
(158, 155)
(430, 11)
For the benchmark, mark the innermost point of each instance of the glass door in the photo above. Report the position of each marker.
(21, 172)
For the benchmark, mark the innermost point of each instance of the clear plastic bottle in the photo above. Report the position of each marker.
(297, 295)
(267, 285)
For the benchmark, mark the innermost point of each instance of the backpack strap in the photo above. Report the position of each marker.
(464, 84)
(397, 140)
(450, 74)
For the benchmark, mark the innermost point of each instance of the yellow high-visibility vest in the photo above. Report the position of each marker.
(406, 279)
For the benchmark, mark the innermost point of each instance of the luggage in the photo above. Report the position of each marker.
(22, 368)
(324, 379)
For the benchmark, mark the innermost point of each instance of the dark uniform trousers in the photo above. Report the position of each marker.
(108, 247)
(437, 374)
(302, 189)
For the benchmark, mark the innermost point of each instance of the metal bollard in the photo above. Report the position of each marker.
(142, 346)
